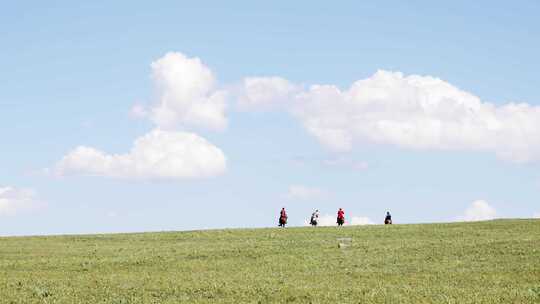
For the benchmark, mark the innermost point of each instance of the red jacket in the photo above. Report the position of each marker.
(341, 214)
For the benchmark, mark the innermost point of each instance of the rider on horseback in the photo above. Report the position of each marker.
(282, 218)
(388, 219)
(340, 217)
(314, 218)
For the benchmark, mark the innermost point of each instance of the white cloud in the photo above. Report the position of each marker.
(361, 220)
(479, 211)
(156, 155)
(266, 92)
(186, 94)
(327, 220)
(16, 200)
(186, 97)
(300, 192)
(138, 111)
(331, 220)
(536, 215)
(414, 112)
(346, 162)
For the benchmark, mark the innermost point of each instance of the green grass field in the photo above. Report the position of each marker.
(483, 262)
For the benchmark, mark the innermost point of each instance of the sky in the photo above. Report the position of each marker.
(132, 116)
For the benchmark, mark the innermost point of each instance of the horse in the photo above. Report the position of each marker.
(388, 221)
(282, 221)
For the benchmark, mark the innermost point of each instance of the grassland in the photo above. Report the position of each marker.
(482, 262)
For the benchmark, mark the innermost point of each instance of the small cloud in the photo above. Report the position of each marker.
(361, 220)
(346, 162)
(362, 165)
(299, 192)
(17, 200)
(112, 214)
(87, 124)
(479, 211)
(138, 111)
(536, 215)
(299, 160)
(266, 93)
(331, 220)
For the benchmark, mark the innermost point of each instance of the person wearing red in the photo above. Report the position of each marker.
(340, 217)
(282, 218)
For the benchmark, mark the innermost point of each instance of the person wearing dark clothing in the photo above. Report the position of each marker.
(282, 218)
(388, 219)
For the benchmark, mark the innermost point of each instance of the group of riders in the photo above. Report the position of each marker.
(314, 220)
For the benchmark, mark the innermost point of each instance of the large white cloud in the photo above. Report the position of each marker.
(156, 155)
(16, 200)
(479, 211)
(415, 112)
(186, 97)
(186, 94)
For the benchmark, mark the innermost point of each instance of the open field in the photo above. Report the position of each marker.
(483, 262)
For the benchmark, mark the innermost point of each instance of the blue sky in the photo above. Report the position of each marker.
(71, 74)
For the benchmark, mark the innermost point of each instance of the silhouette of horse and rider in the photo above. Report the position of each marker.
(282, 218)
(388, 219)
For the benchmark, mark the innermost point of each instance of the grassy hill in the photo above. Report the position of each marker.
(482, 262)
